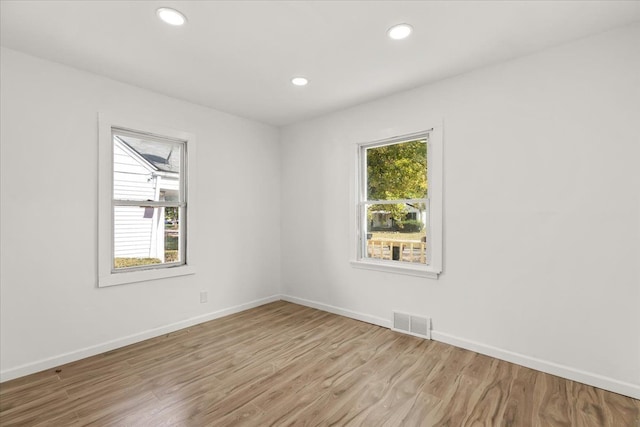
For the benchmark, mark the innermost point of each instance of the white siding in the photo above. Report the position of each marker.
(133, 180)
(169, 184)
(132, 232)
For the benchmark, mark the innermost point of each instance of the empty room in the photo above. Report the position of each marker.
(363, 213)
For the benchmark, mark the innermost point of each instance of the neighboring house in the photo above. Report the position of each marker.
(142, 171)
(381, 220)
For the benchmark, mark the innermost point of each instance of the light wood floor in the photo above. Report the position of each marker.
(283, 364)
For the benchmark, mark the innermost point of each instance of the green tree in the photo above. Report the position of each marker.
(171, 213)
(397, 171)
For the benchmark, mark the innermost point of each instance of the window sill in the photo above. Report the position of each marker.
(397, 269)
(123, 278)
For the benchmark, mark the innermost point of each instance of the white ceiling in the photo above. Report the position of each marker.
(238, 56)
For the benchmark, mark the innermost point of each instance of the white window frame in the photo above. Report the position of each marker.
(434, 207)
(107, 275)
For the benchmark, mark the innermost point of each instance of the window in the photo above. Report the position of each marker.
(399, 207)
(144, 212)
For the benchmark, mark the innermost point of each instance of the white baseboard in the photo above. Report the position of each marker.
(385, 323)
(41, 365)
(606, 383)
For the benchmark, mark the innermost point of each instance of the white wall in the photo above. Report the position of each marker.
(51, 309)
(542, 238)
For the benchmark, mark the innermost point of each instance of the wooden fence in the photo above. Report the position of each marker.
(406, 250)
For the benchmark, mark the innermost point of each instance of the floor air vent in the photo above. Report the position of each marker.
(413, 325)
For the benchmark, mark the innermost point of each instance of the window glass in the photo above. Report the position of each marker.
(148, 201)
(394, 214)
(397, 171)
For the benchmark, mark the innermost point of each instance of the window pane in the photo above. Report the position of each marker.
(397, 171)
(146, 236)
(145, 169)
(396, 232)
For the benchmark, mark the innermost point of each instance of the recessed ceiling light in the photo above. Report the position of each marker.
(400, 31)
(299, 81)
(171, 16)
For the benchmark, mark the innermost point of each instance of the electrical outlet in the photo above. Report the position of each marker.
(203, 297)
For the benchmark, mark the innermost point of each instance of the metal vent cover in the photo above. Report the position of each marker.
(418, 326)
(402, 322)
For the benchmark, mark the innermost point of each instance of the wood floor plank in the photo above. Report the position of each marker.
(618, 407)
(555, 407)
(121, 410)
(588, 406)
(68, 419)
(179, 410)
(38, 381)
(27, 392)
(423, 411)
(518, 408)
(336, 406)
(36, 410)
(283, 364)
(492, 396)
(389, 396)
(250, 389)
